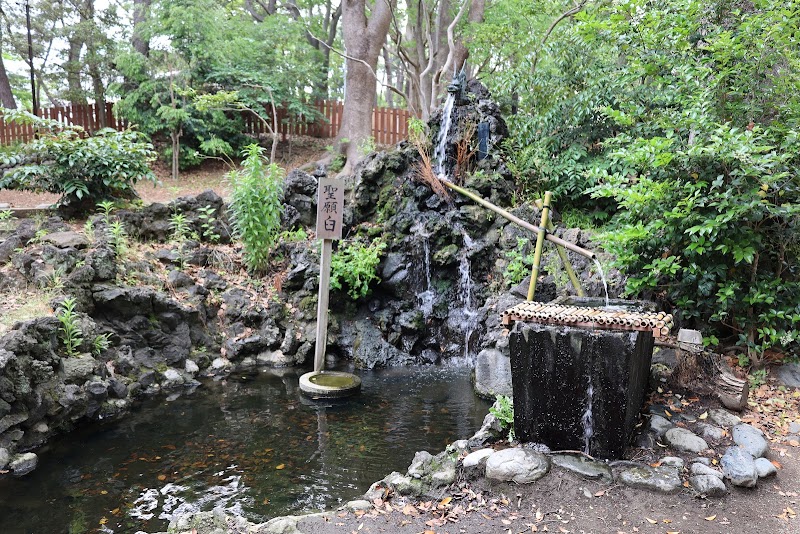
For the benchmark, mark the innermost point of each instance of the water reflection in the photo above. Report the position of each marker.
(252, 445)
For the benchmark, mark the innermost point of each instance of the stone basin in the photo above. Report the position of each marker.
(579, 389)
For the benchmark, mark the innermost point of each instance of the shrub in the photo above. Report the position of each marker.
(256, 206)
(503, 410)
(354, 265)
(83, 170)
(71, 333)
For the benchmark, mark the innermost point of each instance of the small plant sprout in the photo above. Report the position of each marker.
(119, 238)
(208, 224)
(105, 208)
(503, 410)
(71, 333)
(88, 230)
(101, 343)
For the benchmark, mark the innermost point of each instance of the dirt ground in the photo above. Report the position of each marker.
(563, 502)
(209, 175)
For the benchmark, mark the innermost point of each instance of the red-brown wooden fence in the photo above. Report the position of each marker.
(389, 125)
(89, 116)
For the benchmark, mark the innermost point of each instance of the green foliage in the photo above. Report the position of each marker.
(256, 206)
(6, 220)
(293, 236)
(503, 410)
(101, 343)
(119, 238)
(71, 333)
(82, 170)
(519, 264)
(208, 224)
(757, 378)
(354, 265)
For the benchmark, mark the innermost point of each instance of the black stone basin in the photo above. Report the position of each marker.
(578, 388)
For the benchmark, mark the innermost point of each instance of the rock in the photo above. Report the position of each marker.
(685, 440)
(78, 368)
(172, 378)
(659, 425)
(658, 479)
(117, 388)
(708, 485)
(517, 465)
(191, 367)
(22, 464)
(711, 432)
(673, 461)
(788, 374)
(794, 427)
(739, 467)
(723, 418)
(474, 464)
(492, 374)
(701, 469)
(433, 471)
(97, 389)
(751, 439)
(177, 279)
(358, 504)
(66, 240)
(701, 460)
(12, 420)
(583, 466)
(765, 468)
(4, 458)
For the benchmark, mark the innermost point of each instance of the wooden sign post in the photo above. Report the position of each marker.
(330, 206)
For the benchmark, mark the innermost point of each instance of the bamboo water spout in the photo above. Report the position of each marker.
(516, 220)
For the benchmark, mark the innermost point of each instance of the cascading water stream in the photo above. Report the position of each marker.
(602, 277)
(426, 296)
(586, 420)
(465, 284)
(441, 141)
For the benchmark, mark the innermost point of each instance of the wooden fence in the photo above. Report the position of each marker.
(89, 116)
(389, 125)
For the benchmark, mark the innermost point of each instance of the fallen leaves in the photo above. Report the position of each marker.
(788, 513)
(710, 518)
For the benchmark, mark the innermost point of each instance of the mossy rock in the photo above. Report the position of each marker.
(446, 255)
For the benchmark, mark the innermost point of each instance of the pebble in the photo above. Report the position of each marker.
(658, 479)
(711, 432)
(659, 425)
(739, 467)
(765, 468)
(794, 427)
(751, 439)
(685, 440)
(701, 460)
(723, 418)
(699, 469)
(708, 485)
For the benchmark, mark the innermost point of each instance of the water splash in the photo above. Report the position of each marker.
(441, 141)
(586, 420)
(602, 277)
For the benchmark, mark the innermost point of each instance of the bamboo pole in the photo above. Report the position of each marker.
(562, 253)
(540, 235)
(516, 220)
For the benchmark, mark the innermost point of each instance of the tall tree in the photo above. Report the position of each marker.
(6, 96)
(364, 36)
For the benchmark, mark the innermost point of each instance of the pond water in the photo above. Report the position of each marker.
(252, 445)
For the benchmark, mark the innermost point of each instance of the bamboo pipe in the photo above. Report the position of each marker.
(540, 235)
(516, 220)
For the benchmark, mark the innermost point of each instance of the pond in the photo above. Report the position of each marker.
(252, 445)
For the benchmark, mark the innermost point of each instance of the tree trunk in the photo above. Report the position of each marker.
(141, 12)
(73, 70)
(175, 135)
(363, 39)
(6, 96)
(476, 13)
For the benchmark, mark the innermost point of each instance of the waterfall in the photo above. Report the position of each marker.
(603, 278)
(465, 285)
(425, 298)
(586, 420)
(441, 142)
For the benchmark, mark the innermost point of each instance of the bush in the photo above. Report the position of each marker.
(83, 170)
(256, 206)
(354, 265)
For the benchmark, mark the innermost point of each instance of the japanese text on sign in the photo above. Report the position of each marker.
(330, 206)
